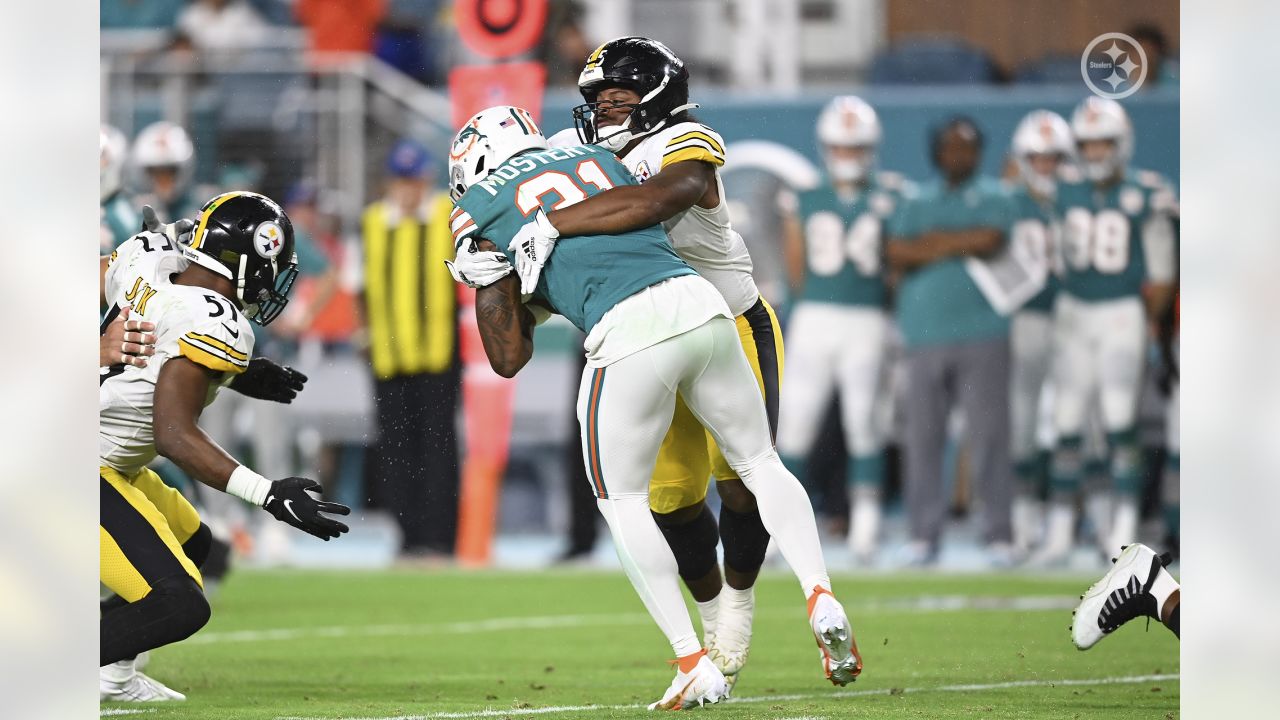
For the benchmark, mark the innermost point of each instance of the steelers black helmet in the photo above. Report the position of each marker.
(644, 66)
(246, 238)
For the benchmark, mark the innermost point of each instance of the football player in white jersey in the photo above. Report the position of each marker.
(839, 331)
(1119, 262)
(1041, 147)
(239, 265)
(637, 105)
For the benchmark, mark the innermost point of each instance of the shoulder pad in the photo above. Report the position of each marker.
(215, 337)
(690, 141)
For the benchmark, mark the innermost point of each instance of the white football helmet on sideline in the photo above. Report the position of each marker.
(1041, 132)
(848, 122)
(1097, 118)
(113, 150)
(490, 138)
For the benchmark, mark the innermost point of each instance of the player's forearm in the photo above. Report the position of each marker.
(196, 454)
(506, 326)
(617, 211)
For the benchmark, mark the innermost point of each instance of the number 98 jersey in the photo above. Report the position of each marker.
(1118, 238)
(844, 241)
(191, 322)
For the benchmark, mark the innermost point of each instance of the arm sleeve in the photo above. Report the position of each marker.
(694, 142)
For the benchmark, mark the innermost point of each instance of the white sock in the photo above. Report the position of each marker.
(646, 557)
(709, 611)
(738, 599)
(788, 516)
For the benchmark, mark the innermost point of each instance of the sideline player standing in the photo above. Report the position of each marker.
(637, 105)
(838, 330)
(239, 264)
(654, 329)
(1117, 244)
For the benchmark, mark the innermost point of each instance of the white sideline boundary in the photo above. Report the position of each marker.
(973, 687)
(915, 604)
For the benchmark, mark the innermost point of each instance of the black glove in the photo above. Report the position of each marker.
(179, 231)
(266, 379)
(289, 502)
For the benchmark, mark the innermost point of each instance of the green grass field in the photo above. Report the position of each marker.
(436, 644)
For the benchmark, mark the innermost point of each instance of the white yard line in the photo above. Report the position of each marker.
(509, 712)
(918, 604)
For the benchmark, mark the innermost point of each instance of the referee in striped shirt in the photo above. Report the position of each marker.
(409, 307)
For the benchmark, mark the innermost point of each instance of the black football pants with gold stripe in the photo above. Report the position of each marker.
(151, 542)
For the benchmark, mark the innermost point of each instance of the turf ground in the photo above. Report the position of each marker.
(454, 644)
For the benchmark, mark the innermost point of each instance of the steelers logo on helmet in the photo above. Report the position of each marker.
(268, 239)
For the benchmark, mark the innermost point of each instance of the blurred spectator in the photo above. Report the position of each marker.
(129, 14)
(221, 25)
(564, 47)
(340, 26)
(165, 157)
(410, 310)
(1161, 69)
(957, 345)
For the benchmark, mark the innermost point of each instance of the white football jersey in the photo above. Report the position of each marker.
(192, 322)
(703, 238)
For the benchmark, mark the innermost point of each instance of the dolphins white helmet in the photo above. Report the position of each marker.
(113, 150)
(848, 121)
(1098, 118)
(490, 138)
(1041, 132)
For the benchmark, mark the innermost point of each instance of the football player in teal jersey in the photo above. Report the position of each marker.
(119, 220)
(654, 328)
(1117, 246)
(1041, 147)
(839, 329)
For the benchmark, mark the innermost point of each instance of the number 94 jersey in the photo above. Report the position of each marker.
(844, 241)
(191, 322)
(1118, 238)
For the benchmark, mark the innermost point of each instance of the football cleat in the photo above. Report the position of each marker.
(121, 682)
(838, 650)
(704, 685)
(1123, 594)
(729, 645)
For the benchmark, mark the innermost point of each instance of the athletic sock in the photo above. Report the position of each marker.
(651, 567)
(786, 512)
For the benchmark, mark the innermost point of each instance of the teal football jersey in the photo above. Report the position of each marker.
(1104, 248)
(1032, 229)
(844, 242)
(941, 303)
(587, 274)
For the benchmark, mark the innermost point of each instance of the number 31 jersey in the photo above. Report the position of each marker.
(844, 241)
(191, 322)
(1116, 239)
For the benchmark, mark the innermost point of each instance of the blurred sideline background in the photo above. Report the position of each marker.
(305, 100)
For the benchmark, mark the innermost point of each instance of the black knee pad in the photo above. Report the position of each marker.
(182, 605)
(745, 539)
(693, 542)
(197, 546)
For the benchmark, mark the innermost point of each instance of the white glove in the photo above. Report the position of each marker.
(532, 245)
(476, 268)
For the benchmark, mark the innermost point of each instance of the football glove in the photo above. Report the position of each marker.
(179, 231)
(532, 245)
(477, 268)
(265, 379)
(289, 502)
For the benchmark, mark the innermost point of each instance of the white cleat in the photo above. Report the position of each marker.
(704, 685)
(121, 682)
(728, 648)
(839, 651)
(1123, 594)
